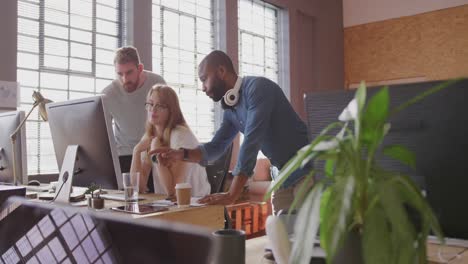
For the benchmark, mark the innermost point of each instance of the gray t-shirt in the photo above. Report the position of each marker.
(128, 111)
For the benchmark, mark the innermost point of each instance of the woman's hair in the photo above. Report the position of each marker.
(166, 96)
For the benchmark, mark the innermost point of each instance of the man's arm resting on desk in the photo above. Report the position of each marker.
(195, 155)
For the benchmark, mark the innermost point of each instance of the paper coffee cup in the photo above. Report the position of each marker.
(183, 193)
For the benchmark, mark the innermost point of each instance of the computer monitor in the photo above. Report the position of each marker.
(9, 122)
(435, 129)
(46, 233)
(83, 122)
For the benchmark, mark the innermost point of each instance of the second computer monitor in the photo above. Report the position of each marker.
(83, 122)
(9, 121)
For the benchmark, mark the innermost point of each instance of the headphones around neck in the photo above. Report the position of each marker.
(232, 95)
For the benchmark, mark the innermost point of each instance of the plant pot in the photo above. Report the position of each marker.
(229, 246)
(351, 251)
(96, 203)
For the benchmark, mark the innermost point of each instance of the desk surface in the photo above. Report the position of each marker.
(211, 217)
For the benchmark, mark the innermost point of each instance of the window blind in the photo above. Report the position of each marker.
(258, 39)
(65, 50)
(182, 36)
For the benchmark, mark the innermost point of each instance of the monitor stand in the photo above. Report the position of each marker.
(1, 160)
(64, 185)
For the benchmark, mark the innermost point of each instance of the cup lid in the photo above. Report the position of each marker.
(183, 185)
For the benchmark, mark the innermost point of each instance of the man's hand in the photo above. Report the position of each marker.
(229, 197)
(218, 198)
(167, 156)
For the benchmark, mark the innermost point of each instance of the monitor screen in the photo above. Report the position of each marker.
(44, 233)
(9, 122)
(83, 122)
(435, 129)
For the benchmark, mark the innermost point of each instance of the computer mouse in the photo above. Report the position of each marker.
(34, 183)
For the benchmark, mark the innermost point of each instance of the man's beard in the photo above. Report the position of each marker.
(219, 89)
(132, 86)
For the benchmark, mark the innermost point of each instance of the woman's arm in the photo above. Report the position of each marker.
(177, 171)
(170, 175)
(163, 173)
(139, 165)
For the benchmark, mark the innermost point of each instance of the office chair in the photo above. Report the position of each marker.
(217, 172)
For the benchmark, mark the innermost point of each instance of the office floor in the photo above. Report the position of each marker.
(255, 249)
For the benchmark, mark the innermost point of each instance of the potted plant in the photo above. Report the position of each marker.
(358, 202)
(95, 201)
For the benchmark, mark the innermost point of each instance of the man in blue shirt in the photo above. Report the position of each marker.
(256, 107)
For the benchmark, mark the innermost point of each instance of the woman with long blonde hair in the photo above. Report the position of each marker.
(166, 127)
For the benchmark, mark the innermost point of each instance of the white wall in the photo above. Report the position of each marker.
(356, 12)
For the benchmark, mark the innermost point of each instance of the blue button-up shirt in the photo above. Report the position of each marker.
(269, 123)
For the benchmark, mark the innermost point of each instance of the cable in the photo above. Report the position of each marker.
(65, 179)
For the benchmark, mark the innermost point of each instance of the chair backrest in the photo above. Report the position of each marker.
(217, 170)
(434, 129)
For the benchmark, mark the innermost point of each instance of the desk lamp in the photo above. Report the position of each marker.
(40, 101)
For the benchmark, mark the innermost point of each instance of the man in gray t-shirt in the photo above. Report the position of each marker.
(125, 99)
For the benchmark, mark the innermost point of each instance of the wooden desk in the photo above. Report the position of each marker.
(211, 216)
(436, 254)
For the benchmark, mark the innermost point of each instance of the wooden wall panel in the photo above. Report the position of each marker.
(430, 46)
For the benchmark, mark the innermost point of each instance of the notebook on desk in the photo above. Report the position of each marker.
(78, 194)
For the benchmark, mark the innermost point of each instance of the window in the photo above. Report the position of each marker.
(65, 50)
(182, 36)
(258, 39)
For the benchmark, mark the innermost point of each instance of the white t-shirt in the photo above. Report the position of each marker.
(128, 111)
(182, 137)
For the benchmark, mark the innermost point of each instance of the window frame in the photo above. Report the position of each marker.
(36, 172)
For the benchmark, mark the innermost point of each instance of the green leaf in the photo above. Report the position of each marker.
(307, 223)
(403, 234)
(374, 118)
(413, 196)
(305, 153)
(337, 214)
(289, 168)
(377, 109)
(360, 97)
(303, 190)
(377, 246)
(426, 93)
(329, 165)
(402, 154)
(323, 206)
